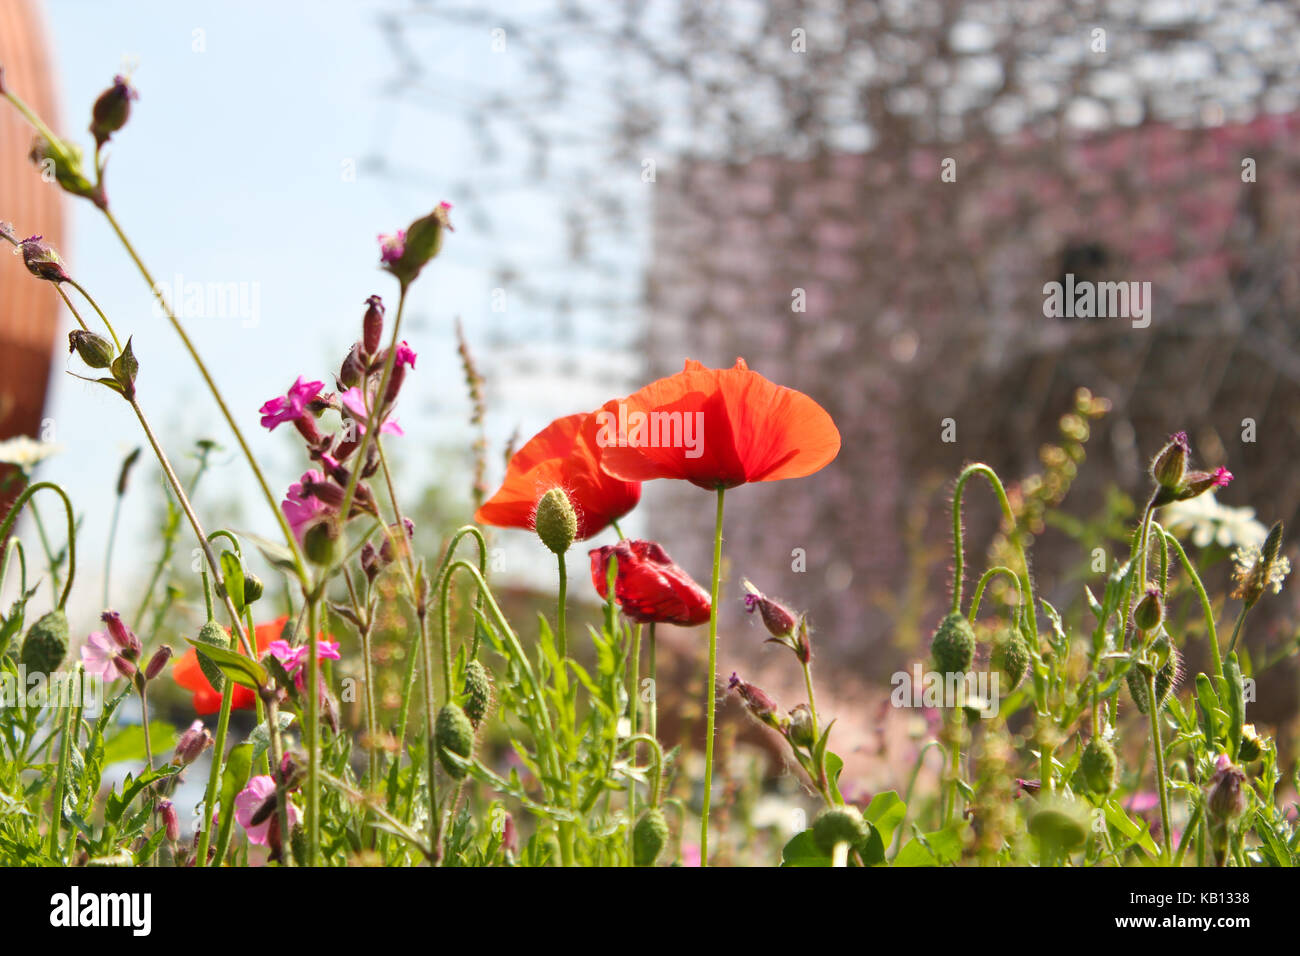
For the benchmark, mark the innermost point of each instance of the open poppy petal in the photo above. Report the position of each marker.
(648, 585)
(206, 698)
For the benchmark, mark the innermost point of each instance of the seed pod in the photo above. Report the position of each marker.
(46, 643)
(649, 837)
(478, 693)
(1098, 765)
(1167, 677)
(453, 733)
(556, 522)
(953, 646)
(216, 635)
(840, 825)
(95, 350)
(1011, 657)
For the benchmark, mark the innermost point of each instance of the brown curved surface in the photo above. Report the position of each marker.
(28, 309)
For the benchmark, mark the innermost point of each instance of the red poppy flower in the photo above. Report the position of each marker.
(207, 699)
(716, 428)
(563, 454)
(649, 587)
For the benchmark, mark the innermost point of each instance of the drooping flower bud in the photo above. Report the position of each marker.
(1098, 764)
(649, 837)
(158, 662)
(556, 522)
(1226, 799)
(1010, 657)
(1150, 611)
(171, 822)
(408, 251)
(1170, 463)
(836, 825)
(478, 692)
(41, 260)
(353, 369)
(953, 646)
(372, 326)
(95, 350)
(191, 744)
(112, 110)
(801, 730)
(453, 734)
(46, 643)
(124, 667)
(760, 706)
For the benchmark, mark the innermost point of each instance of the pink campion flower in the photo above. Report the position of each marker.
(250, 800)
(392, 246)
(97, 655)
(405, 355)
(291, 406)
(300, 508)
(294, 659)
(356, 406)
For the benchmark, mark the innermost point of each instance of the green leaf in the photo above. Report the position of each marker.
(937, 848)
(834, 766)
(116, 804)
(260, 736)
(886, 813)
(232, 579)
(1135, 832)
(802, 850)
(242, 670)
(128, 743)
(239, 766)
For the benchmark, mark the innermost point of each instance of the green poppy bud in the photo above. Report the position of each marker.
(953, 646)
(1167, 676)
(1059, 824)
(1098, 765)
(253, 587)
(478, 692)
(216, 635)
(1150, 611)
(453, 733)
(1011, 657)
(556, 522)
(649, 837)
(840, 825)
(46, 643)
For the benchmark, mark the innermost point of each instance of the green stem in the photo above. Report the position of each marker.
(313, 735)
(1154, 713)
(65, 747)
(710, 692)
(561, 626)
(95, 305)
(7, 525)
(214, 774)
(1207, 609)
(654, 685)
(1026, 586)
(1236, 631)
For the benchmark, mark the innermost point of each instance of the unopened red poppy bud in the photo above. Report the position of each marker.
(1227, 798)
(453, 734)
(212, 633)
(122, 635)
(556, 522)
(171, 822)
(1097, 765)
(41, 260)
(1150, 611)
(1170, 463)
(46, 643)
(95, 350)
(191, 744)
(478, 692)
(759, 704)
(1167, 676)
(372, 325)
(253, 588)
(801, 729)
(158, 662)
(112, 110)
(1010, 657)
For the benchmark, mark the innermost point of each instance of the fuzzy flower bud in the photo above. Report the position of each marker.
(171, 822)
(801, 730)
(760, 706)
(556, 522)
(353, 369)
(122, 635)
(1150, 611)
(1170, 464)
(453, 734)
(46, 643)
(41, 260)
(1226, 800)
(407, 251)
(649, 837)
(191, 745)
(478, 692)
(1097, 765)
(372, 325)
(953, 645)
(836, 825)
(253, 588)
(777, 618)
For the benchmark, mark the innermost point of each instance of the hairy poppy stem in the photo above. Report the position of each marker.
(1166, 832)
(561, 626)
(710, 701)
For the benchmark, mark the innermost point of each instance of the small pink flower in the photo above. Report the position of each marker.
(392, 246)
(291, 406)
(97, 655)
(301, 508)
(250, 800)
(405, 355)
(356, 406)
(1221, 478)
(294, 659)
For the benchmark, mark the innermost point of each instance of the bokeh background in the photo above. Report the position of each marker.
(863, 199)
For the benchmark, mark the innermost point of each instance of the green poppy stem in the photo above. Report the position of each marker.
(710, 694)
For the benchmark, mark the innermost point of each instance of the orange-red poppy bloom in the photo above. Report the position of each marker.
(207, 699)
(716, 428)
(562, 454)
(649, 586)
